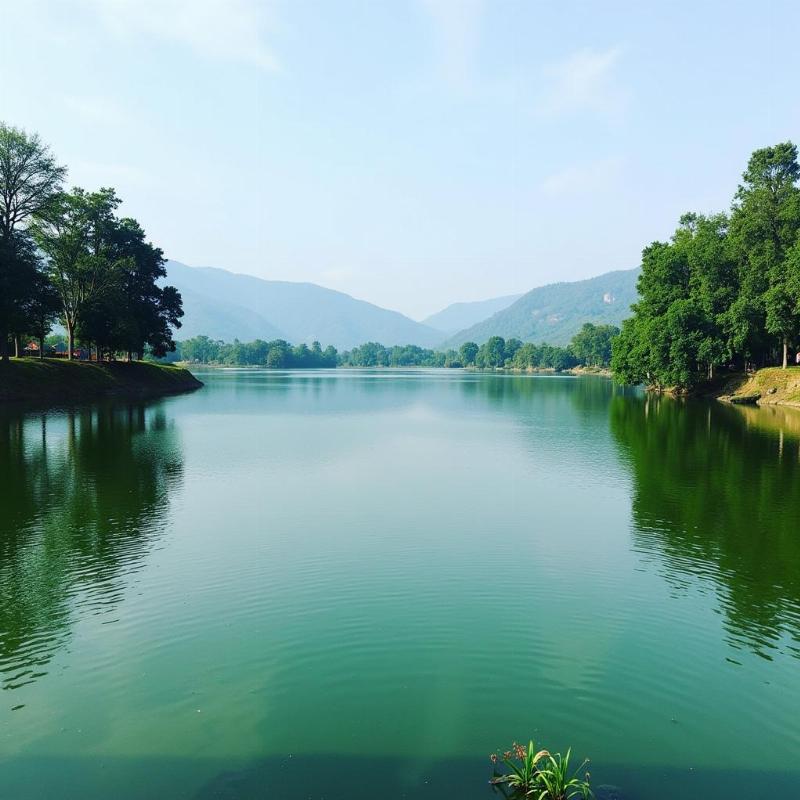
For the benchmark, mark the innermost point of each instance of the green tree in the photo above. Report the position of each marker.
(77, 242)
(467, 353)
(764, 228)
(30, 178)
(591, 346)
(42, 310)
(492, 353)
(148, 312)
(510, 349)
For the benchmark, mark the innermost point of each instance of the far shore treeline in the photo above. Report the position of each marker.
(66, 257)
(725, 290)
(591, 346)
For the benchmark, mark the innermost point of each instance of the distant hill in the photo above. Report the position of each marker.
(555, 313)
(225, 305)
(458, 316)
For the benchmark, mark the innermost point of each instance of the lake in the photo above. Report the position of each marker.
(349, 585)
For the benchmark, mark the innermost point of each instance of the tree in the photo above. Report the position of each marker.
(510, 348)
(492, 353)
(591, 346)
(76, 239)
(42, 309)
(764, 227)
(782, 315)
(723, 290)
(148, 312)
(30, 178)
(467, 353)
(278, 355)
(20, 284)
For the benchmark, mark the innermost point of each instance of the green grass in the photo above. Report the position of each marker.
(773, 385)
(56, 380)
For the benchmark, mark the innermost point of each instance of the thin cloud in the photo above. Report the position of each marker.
(231, 30)
(583, 82)
(457, 28)
(582, 179)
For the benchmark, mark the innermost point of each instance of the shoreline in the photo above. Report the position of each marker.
(769, 386)
(55, 382)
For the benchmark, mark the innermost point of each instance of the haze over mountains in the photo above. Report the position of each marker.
(556, 312)
(458, 316)
(224, 305)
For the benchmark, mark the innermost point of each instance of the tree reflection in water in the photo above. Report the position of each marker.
(83, 497)
(716, 496)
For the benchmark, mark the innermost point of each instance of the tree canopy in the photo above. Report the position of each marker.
(725, 290)
(66, 256)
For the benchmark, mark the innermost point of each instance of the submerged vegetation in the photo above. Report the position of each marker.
(540, 775)
(725, 291)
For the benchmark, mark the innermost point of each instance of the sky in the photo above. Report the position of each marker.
(412, 153)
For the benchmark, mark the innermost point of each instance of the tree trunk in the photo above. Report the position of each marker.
(16, 347)
(70, 340)
(785, 354)
(4, 345)
(41, 348)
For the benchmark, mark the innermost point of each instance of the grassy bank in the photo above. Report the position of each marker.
(769, 386)
(55, 381)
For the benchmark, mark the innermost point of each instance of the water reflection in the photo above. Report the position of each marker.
(717, 497)
(83, 497)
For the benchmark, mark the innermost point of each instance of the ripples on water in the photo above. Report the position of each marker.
(287, 579)
(83, 496)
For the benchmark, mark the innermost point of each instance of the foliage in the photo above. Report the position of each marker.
(733, 531)
(467, 353)
(591, 346)
(30, 179)
(555, 313)
(499, 353)
(67, 256)
(277, 354)
(541, 775)
(373, 354)
(725, 290)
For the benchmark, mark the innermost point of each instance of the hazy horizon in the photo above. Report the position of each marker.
(413, 153)
(420, 319)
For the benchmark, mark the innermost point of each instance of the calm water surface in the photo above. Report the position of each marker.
(355, 585)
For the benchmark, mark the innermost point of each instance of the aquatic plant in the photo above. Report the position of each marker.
(540, 775)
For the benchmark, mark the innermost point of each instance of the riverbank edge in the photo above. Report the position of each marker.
(599, 371)
(770, 386)
(53, 382)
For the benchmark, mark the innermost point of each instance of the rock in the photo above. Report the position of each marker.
(744, 399)
(772, 390)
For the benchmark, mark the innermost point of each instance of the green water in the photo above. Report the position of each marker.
(355, 585)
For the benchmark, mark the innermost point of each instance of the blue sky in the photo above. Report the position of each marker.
(410, 152)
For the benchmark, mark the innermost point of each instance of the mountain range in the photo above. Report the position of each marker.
(226, 305)
(458, 316)
(555, 313)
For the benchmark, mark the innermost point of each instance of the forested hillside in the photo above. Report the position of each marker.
(555, 313)
(226, 305)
